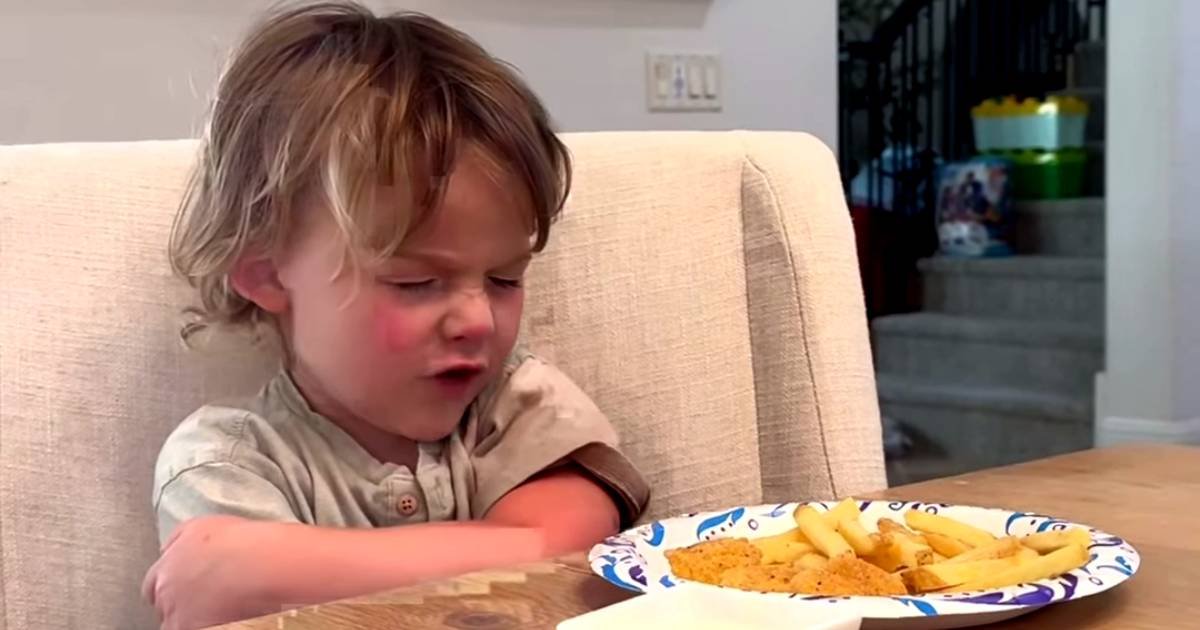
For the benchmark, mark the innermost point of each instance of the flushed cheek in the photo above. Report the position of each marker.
(507, 314)
(398, 330)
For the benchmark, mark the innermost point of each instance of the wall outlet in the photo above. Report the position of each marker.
(680, 82)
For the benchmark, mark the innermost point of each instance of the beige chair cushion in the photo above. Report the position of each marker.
(702, 287)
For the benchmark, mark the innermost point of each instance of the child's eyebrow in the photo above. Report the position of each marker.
(450, 261)
(521, 260)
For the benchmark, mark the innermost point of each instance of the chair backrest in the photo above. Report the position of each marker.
(701, 287)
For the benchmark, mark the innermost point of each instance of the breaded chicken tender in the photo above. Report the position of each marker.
(707, 561)
(848, 575)
(769, 578)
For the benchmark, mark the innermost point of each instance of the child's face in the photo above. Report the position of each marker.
(407, 349)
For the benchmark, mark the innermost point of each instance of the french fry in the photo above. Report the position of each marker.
(900, 552)
(845, 509)
(913, 553)
(1045, 542)
(780, 550)
(889, 526)
(1054, 563)
(926, 523)
(811, 561)
(936, 577)
(791, 535)
(888, 555)
(1000, 548)
(945, 545)
(821, 534)
(857, 536)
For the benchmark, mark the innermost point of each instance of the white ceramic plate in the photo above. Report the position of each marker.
(635, 560)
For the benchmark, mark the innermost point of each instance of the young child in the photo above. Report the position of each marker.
(370, 192)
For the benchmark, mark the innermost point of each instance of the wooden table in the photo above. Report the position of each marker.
(1146, 494)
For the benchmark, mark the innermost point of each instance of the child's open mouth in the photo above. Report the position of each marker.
(458, 380)
(459, 374)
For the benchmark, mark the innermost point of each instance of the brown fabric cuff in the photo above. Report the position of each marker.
(619, 476)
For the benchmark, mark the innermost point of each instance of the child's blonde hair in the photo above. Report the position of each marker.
(327, 102)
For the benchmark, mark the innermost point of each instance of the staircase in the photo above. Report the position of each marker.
(999, 367)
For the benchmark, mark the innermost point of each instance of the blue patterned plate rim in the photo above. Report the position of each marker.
(635, 560)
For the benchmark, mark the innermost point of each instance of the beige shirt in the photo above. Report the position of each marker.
(273, 458)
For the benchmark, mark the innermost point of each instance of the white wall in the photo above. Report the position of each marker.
(134, 69)
(1151, 387)
(1185, 224)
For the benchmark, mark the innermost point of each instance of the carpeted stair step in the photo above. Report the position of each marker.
(960, 428)
(1046, 357)
(1044, 288)
(1061, 227)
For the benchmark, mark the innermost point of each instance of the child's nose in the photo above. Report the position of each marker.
(470, 317)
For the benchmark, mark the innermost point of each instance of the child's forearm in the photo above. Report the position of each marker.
(315, 564)
(557, 512)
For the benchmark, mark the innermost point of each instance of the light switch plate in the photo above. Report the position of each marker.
(683, 81)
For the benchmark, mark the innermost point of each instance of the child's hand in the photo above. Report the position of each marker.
(212, 570)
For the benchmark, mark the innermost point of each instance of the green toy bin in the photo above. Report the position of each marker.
(1047, 174)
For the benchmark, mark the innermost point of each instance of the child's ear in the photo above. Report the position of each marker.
(257, 280)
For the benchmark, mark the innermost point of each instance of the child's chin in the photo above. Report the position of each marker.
(429, 429)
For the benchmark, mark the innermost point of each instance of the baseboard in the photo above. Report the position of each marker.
(1112, 430)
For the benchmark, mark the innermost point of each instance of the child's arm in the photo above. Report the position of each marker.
(220, 569)
(550, 515)
(566, 504)
(553, 514)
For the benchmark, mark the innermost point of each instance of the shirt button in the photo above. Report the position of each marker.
(408, 505)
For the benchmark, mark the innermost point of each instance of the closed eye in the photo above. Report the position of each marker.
(506, 283)
(411, 285)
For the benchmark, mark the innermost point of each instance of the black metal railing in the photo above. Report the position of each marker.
(905, 93)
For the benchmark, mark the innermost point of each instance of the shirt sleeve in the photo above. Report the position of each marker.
(219, 488)
(210, 465)
(539, 418)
